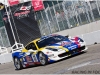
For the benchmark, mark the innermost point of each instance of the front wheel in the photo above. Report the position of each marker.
(18, 64)
(43, 59)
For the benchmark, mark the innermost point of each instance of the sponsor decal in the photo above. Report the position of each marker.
(22, 14)
(63, 43)
(23, 11)
(72, 47)
(25, 8)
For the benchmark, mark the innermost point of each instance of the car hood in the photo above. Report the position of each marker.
(66, 44)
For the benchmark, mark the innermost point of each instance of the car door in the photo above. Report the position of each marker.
(31, 54)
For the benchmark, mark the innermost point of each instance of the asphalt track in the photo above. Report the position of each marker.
(85, 63)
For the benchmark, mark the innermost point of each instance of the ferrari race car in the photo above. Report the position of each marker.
(47, 49)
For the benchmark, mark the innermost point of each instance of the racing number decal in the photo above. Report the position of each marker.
(34, 58)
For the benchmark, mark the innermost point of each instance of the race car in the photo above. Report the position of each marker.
(47, 49)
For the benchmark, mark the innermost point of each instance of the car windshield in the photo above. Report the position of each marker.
(50, 40)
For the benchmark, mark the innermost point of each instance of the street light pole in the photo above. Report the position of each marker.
(10, 23)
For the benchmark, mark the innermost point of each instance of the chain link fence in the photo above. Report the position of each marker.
(4, 41)
(67, 14)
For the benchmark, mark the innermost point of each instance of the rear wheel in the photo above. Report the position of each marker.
(18, 64)
(43, 59)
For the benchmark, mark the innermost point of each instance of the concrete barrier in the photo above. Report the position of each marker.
(5, 58)
(4, 55)
(89, 32)
(92, 37)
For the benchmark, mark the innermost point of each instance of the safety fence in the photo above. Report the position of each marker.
(4, 40)
(67, 14)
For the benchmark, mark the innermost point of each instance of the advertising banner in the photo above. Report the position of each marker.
(22, 11)
(23, 22)
(37, 5)
(13, 2)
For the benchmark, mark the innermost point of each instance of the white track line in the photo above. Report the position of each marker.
(78, 66)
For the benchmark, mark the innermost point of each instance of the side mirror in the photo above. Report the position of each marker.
(69, 37)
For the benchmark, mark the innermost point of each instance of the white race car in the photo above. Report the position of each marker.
(47, 49)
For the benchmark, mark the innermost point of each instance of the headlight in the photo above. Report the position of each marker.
(80, 40)
(53, 49)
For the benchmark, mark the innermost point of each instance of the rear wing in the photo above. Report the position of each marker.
(17, 47)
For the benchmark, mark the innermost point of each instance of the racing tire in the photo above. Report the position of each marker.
(43, 59)
(18, 64)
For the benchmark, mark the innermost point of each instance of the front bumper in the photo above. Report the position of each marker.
(60, 56)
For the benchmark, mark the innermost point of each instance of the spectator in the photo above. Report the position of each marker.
(57, 15)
